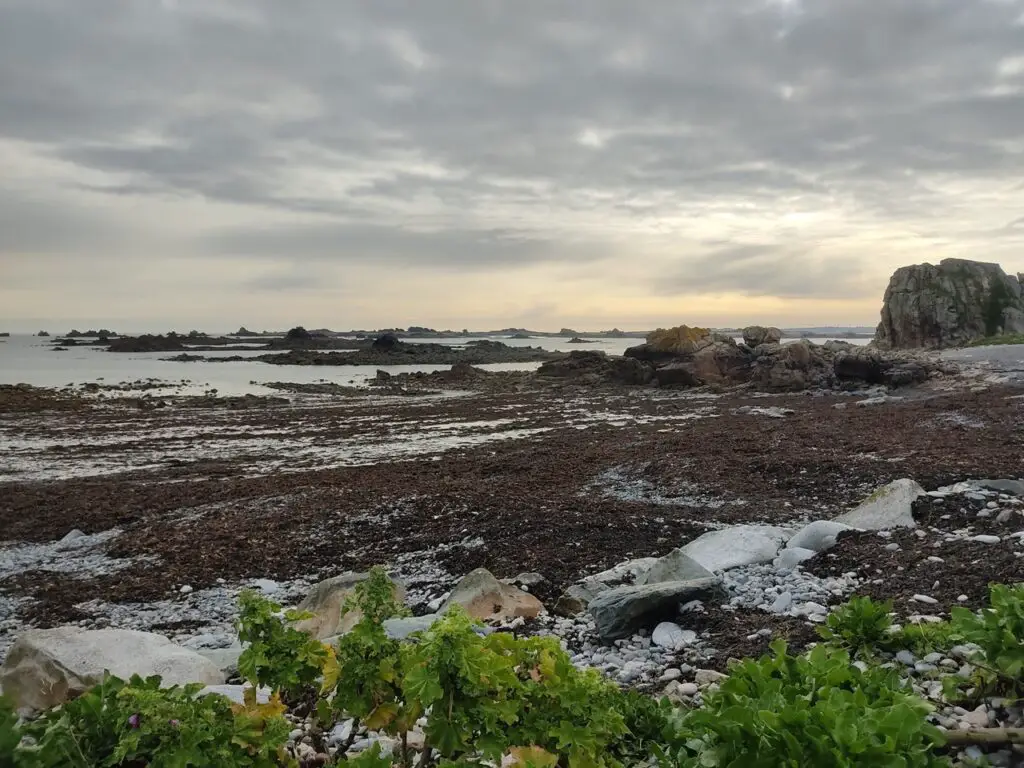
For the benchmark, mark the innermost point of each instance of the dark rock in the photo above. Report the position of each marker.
(619, 612)
(678, 375)
(147, 343)
(755, 335)
(951, 304)
(386, 341)
(598, 367)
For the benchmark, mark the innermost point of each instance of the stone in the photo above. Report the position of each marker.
(985, 538)
(675, 566)
(46, 667)
(790, 557)
(722, 362)
(487, 599)
(688, 689)
(737, 545)
(672, 636)
(236, 693)
(782, 603)
(891, 506)
(952, 304)
(527, 579)
(225, 659)
(620, 611)
(326, 601)
(678, 375)
(756, 335)
(574, 600)
(1012, 487)
(596, 366)
(906, 658)
(704, 677)
(818, 536)
(667, 344)
(926, 599)
(792, 367)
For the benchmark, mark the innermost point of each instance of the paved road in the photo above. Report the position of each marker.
(1005, 360)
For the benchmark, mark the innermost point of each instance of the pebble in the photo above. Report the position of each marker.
(670, 674)
(185, 590)
(708, 676)
(928, 599)
(986, 539)
(689, 689)
(906, 657)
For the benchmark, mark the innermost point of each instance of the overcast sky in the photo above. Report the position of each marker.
(209, 163)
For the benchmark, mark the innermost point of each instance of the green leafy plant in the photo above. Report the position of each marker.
(811, 710)
(862, 626)
(10, 735)
(138, 723)
(925, 637)
(279, 656)
(999, 631)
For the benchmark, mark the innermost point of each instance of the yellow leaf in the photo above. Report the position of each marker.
(331, 671)
(531, 757)
(381, 716)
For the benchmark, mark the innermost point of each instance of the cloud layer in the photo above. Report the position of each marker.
(349, 163)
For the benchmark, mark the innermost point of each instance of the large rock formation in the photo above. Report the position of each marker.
(948, 305)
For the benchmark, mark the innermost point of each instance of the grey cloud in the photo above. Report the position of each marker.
(757, 269)
(468, 114)
(387, 246)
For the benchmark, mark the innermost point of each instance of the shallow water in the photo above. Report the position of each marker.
(32, 360)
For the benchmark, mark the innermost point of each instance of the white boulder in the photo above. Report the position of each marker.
(891, 506)
(790, 557)
(46, 667)
(737, 545)
(818, 536)
(672, 636)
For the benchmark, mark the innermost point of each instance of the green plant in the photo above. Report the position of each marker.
(10, 734)
(279, 656)
(811, 710)
(138, 723)
(862, 626)
(364, 671)
(925, 637)
(999, 632)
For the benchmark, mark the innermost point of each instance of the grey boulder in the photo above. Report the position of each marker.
(818, 536)
(675, 566)
(619, 612)
(737, 545)
(891, 506)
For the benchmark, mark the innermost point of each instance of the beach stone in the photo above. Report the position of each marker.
(672, 636)
(326, 600)
(790, 557)
(225, 659)
(1012, 487)
(574, 600)
(688, 689)
(891, 506)
(817, 536)
(675, 566)
(619, 612)
(46, 667)
(236, 693)
(986, 539)
(708, 676)
(737, 545)
(487, 599)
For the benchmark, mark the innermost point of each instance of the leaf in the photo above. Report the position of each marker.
(382, 716)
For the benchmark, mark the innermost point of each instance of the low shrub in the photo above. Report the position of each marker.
(280, 657)
(861, 625)
(811, 710)
(999, 631)
(137, 723)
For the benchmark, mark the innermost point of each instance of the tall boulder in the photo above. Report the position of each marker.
(952, 304)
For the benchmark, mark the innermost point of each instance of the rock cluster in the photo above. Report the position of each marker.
(952, 304)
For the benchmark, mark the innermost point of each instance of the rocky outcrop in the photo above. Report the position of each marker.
(487, 599)
(46, 667)
(147, 343)
(595, 367)
(949, 305)
(756, 335)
